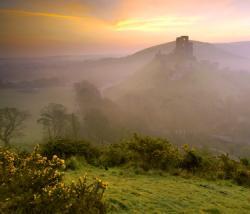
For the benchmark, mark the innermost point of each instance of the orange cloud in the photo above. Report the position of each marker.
(29, 13)
(154, 24)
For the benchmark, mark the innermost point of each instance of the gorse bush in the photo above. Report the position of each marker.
(227, 166)
(67, 148)
(148, 153)
(75, 163)
(155, 153)
(33, 184)
(191, 160)
(152, 153)
(114, 155)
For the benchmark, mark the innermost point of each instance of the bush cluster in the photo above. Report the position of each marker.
(32, 183)
(148, 153)
(67, 148)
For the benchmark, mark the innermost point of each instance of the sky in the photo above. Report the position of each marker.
(65, 27)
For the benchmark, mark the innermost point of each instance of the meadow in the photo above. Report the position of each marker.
(157, 192)
(138, 175)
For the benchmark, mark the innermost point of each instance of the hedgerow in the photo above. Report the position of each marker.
(149, 153)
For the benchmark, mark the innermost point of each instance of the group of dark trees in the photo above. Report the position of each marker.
(56, 122)
(96, 119)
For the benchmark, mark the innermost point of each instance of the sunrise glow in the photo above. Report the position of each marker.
(94, 26)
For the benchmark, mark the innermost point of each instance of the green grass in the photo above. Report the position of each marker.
(156, 193)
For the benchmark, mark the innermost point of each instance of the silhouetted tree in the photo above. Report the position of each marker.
(75, 126)
(54, 118)
(97, 126)
(11, 123)
(58, 123)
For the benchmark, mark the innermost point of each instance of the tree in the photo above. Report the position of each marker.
(11, 124)
(97, 126)
(75, 126)
(87, 96)
(58, 123)
(53, 118)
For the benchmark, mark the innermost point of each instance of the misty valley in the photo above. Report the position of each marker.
(202, 101)
(167, 127)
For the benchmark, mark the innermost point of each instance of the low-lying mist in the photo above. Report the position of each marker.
(201, 101)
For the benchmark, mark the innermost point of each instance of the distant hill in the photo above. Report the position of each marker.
(105, 72)
(222, 53)
(172, 97)
(109, 71)
(239, 48)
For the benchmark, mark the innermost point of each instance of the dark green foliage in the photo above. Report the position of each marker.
(148, 153)
(114, 155)
(66, 148)
(74, 162)
(153, 152)
(191, 159)
(227, 166)
(242, 177)
(245, 161)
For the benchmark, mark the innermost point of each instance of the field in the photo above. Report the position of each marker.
(154, 192)
(33, 102)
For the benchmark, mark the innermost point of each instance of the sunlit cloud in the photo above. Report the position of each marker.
(154, 24)
(110, 24)
(29, 13)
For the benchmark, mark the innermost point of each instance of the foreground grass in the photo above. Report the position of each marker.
(156, 193)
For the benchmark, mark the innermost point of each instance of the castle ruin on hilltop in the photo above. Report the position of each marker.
(183, 50)
(184, 47)
(180, 60)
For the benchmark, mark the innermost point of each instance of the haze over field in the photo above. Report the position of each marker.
(149, 90)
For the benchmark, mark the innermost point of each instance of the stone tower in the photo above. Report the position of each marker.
(184, 47)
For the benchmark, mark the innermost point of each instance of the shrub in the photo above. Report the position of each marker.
(33, 184)
(191, 159)
(242, 177)
(245, 161)
(227, 166)
(74, 162)
(114, 155)
(153, 152)
(68, 148)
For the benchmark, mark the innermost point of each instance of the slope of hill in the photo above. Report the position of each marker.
(110, 71)
(104, 72)
(224, 54)
(239, 48)
(175, 98)
(153, 193)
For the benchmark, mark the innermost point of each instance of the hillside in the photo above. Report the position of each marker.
(108, 71)
(172, 97)
(226, 54)
(118, 69)
(239, 48)
(128, 192)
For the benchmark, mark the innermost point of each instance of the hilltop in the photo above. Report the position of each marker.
(187, 99)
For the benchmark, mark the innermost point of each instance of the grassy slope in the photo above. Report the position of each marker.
(152, 193)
